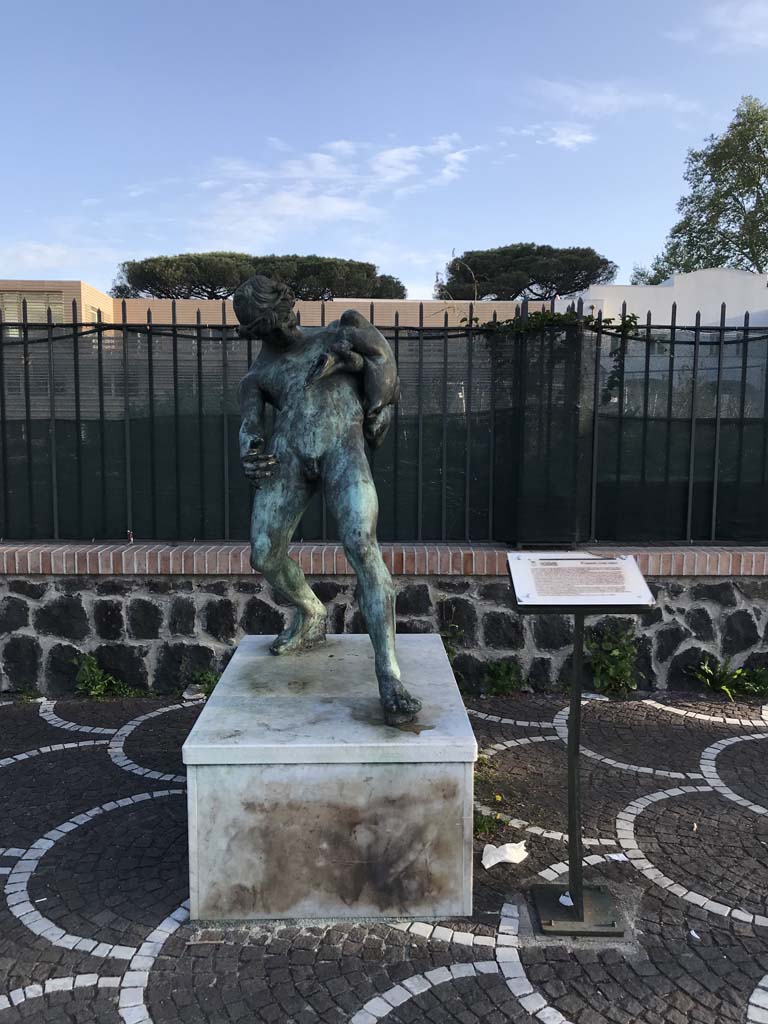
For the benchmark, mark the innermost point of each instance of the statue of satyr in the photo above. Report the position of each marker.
(332, 388)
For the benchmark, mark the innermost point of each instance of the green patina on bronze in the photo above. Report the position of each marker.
(332, 388)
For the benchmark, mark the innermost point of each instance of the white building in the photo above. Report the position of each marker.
(701, 290)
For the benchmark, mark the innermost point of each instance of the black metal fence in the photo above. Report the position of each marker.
(538, 433)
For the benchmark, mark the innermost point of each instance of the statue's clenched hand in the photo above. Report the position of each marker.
(257, 465)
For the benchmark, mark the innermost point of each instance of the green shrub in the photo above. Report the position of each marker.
(206, 681)
(613, 656)
(733, 682)
(92, 681)
(502, 677)
(452, 637)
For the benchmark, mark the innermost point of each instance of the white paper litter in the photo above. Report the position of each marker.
(694, 935)
(616, 856)
(565, 899)
(509, 853)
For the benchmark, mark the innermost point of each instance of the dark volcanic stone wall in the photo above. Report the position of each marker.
(157, 632)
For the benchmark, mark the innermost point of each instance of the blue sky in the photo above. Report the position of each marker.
(393, 132)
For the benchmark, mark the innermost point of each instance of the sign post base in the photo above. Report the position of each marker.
(555, 919)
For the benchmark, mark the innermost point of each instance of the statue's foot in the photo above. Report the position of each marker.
(399, 706)
(307, 630)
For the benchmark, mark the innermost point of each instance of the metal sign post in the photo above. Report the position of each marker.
(577, 584)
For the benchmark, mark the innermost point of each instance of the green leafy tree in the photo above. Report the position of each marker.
(724, 217)
(523, 270)
(215, 275)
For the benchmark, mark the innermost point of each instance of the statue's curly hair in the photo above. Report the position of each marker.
(261, 305)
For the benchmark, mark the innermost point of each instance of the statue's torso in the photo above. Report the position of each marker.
(309, 420)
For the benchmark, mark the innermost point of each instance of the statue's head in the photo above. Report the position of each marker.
(264, 308)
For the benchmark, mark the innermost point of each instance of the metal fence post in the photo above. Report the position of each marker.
(468, 416)
(78, 416)
(102, 422)
(52, 428)
(595, 428)
(127, 426)
(692, 442)
(28, 420)
(224, 417)
(718, 415)
(3, 427)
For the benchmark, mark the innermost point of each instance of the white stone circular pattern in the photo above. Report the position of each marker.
(709, 770)
(117, 744)
(17, 887)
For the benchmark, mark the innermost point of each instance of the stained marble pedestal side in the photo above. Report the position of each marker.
(304, 804)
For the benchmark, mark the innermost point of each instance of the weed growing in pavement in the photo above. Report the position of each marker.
(206, 681)
(733, 682)
(613, 657)
(93, 682)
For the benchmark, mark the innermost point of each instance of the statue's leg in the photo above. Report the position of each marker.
(277, 507)
(351, 497)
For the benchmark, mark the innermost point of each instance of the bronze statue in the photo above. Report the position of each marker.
(331, 387)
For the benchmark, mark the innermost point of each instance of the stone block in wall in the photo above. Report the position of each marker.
(699, 622)
(497, 593)
(540, 674)
(739, 633)
(679, 675)
(650, 618)
(753, 589)
(21, 662)
(337, 614)
(219, 587)
(503, 630)
(248, 587)
(60, 670)
(126, 662)
(415, 626)
(469, 671)
(178, 664)
(219, 619)
(33, 589)
(14, 614)
(357, 622)
(414, 599)
(108, 619)
(552, 632)
(155, 586)
(115, 586)
(144, 619)
(668, 639)
(459, 612)
(718, 593)
(260, 617)
(64, 617)
(328, 590)
(181, 619)
(646, 678)
(455, 586)
(758, 659)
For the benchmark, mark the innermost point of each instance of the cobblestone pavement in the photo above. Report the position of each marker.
(94, 923)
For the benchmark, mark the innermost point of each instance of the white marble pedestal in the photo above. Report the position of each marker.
(304, 804)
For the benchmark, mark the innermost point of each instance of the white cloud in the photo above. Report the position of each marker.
(601, 99)
(342, 147)
(30, 256)
(727, 26)
(738, 25)
(390, 166)
(568, 136)
(563, 134)
(279, 144)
